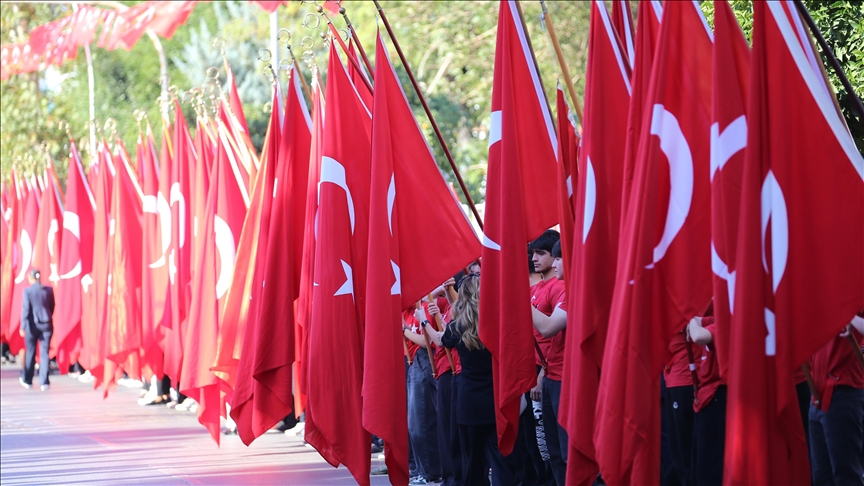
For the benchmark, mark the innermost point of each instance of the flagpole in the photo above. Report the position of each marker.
(835, 64)
(547, 20)
(356, 39)
(91, 89)
(274, 40)
(428, 344)
(430, 116)
(808, 376)
(335, 33)
(294, 62)
(439, 327)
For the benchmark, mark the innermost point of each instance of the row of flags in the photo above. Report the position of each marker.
(276, 282)
(58, 41)
(704, 168)
(249, 279)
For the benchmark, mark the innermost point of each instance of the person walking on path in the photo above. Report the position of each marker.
(37, 324)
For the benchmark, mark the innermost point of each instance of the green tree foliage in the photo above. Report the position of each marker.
(450, 47)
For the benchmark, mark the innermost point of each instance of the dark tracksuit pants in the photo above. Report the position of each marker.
(709, 440)
(448, 432)
(31, 337)
(679, 407)
(837, 439)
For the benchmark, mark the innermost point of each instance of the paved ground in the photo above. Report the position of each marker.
(70, 435)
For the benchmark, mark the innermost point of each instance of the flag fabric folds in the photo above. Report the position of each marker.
(406, 188)
(223, 217)
(731, 66)
(76, 260)
(122, 330)
(265, 369)
(519, 207)
(46, 250)
(335, 359)
(798, 260)
(591, 273)
(663, 274)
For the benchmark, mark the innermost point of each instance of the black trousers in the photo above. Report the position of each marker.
(480, 452)
(837, 439)
(679, 407)
(709, 440)
(668, 476)
(448, 432)
(556, 436)
(31, 337)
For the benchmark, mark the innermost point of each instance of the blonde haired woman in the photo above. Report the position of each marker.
(475, 405)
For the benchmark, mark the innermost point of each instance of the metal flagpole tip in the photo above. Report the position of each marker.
(283, 35)
(264, 55)
(308, 21)
(212, 73)
(111, 126)
(286, 64)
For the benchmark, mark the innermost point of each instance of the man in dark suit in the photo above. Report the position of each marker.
(37, 324)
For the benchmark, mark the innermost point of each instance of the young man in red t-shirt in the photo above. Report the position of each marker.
(837, 419)
(550, 321)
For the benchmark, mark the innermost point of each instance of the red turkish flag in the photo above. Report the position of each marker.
(46, 249)
(234, 99)
(406, 187)
(156, 234)
(223, 220)
(12, 256)
(169, 16)
(235, 146)
(75, 260)
(591, 274)
(358, 76)
(244, 289)
(95, 284)
(179, 254)
(162, 17)
(569, 141)
(519, 206)
(798, 262)
(267, 368)
(122, 332)
(267, 6)
(728, 140)
(28, 222)
(664, 269)
(333, 410)
(307, 268)
(647, 33)
(622, 22)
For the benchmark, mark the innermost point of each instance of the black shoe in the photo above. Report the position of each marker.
(376, 449)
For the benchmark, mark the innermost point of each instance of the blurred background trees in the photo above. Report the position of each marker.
(450, 46)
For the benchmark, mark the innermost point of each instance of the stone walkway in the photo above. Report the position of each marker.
(70, 435)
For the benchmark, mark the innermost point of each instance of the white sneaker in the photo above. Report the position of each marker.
(148, 398)
(86, 377)
(25, 385)
(45, 387)
(297, 429)
(194, 408)
(184, 405)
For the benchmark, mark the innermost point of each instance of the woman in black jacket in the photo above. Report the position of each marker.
(475, 402)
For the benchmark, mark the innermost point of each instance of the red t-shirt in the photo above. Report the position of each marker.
(411, 322)
(677, 371)
(442, 363)
(555, 355)
(835, 365)
(708, 369)
(545, 295)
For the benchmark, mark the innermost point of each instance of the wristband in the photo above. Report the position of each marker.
(424, 323)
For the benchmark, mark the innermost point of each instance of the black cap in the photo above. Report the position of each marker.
(34, 274)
